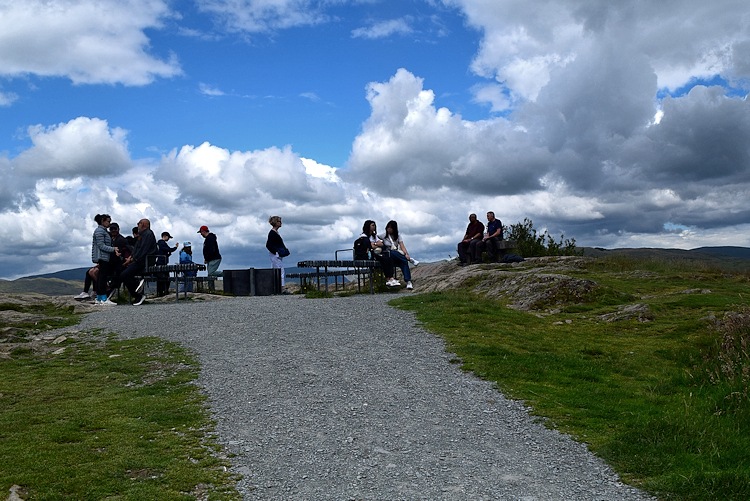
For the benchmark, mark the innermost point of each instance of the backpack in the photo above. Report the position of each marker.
(361, 248)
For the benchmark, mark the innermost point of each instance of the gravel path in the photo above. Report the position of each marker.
(348, 398)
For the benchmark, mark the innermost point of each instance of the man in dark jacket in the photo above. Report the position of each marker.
(211, 255)
(467, 247)
(163, 252)
(135, 264)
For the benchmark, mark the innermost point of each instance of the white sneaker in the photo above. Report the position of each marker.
(393, 283)
(106, 303)
(139, 289)
(413, 261)
(409, 285)
(82, 296)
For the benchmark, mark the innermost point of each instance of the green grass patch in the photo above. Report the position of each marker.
(665, 402)
(108, 419)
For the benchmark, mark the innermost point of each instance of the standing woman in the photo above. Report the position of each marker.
(101, 254)
(277, 251)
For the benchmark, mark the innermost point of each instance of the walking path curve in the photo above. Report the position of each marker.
(349, 398)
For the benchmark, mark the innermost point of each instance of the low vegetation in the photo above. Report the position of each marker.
(647, 362)
(85, 416)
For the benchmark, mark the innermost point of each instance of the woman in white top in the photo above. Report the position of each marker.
(399, 255)
(380, 252)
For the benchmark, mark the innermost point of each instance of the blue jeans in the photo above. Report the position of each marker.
(400, 261)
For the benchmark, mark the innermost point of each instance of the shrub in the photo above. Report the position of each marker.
(532, 244)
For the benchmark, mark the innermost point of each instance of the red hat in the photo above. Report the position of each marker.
(203, 228)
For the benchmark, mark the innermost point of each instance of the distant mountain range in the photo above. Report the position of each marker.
(70, 281)
(721, 253)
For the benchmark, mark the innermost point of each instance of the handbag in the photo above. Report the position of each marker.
(283, 251)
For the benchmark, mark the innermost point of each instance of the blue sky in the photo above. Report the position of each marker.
(622, 125)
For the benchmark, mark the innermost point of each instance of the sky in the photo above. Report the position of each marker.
(617, 124)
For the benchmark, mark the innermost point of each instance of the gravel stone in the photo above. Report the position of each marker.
(347, 398)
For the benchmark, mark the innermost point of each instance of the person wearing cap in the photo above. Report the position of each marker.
(186, 257)
(125, 251)
(211, 255)
(163, 252)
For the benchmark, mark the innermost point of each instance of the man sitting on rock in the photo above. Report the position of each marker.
(468, 248)
(491, 241)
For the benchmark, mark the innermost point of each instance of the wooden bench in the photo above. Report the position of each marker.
(177, 270)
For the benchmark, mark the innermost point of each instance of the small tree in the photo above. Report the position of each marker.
(532, 244)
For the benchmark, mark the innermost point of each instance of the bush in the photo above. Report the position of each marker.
(532, 244)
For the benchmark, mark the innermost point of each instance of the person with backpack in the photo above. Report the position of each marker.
(379, 252)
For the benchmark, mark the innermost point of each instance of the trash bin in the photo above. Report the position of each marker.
(238, 282)
(267, 281)
(253, 282)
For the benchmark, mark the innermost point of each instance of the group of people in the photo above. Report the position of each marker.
(122, 260)
(476, 240)
(389, 249)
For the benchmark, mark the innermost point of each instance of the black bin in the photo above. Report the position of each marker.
(238, 282)
(252, 282)
(267, 281)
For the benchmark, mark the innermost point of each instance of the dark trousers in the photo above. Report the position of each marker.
(101, 280)
(386, 264)
(127, 277)
(162, 284)
(492, 246)
(471, 250)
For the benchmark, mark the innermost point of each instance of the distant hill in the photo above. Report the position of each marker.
(72, 274)
(729, 257)
(726, 251)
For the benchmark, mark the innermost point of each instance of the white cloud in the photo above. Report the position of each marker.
(87, 42)
(521, 46)
(81, 147)
(261, 16)
(383, 29)
(209, 90)
(8, 98)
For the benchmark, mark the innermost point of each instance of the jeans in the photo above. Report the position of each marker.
(400, 261)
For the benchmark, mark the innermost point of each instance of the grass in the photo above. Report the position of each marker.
(108, 419)
(665, 402)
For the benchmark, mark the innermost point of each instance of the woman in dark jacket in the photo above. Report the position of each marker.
(277, 251)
